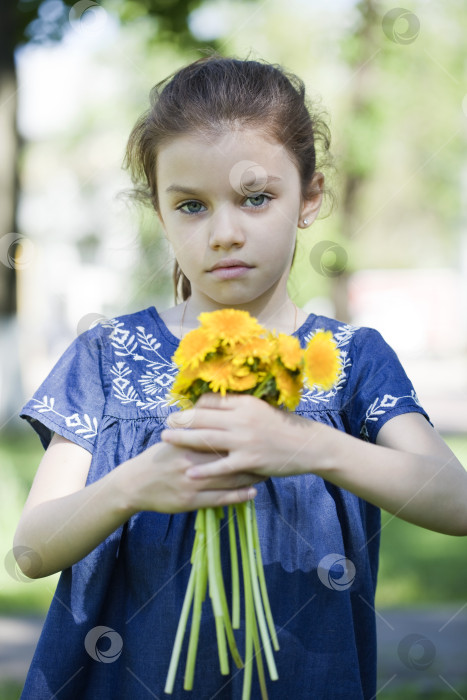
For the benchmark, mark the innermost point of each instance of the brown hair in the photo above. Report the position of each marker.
(211, 94)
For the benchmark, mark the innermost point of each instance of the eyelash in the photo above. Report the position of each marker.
(194, 201)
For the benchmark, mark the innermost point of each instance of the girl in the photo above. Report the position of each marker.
(226, 155)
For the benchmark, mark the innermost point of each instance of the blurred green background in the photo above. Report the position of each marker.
(73, 79)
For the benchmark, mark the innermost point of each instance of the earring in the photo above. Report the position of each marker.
(305, 222)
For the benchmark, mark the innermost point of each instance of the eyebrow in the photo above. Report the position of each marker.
(183, 189)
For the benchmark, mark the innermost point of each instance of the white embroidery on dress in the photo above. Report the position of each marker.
(158, 374)
(84, 426)
(125, 392)
(342, 336)
(380, 406)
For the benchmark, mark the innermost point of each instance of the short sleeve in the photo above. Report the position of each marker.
(379, 388)
(70, 401)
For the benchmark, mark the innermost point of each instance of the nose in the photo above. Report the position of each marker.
(225, 229)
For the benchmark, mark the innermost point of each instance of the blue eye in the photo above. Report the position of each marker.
(197, 207)
(256, 203)
(193, 207)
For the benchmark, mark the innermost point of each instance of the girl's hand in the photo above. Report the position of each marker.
(251, 435)
(157, 480)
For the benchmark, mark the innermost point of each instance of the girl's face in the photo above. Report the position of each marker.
(232, 200)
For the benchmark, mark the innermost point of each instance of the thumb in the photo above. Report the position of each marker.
(216, 400)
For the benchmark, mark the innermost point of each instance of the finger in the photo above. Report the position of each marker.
(237, 481)
(195, 457)
(185, 418)
(199, 418)
(227, 402)
(211, 400)
(204, 440)
(218, 468)
(209, 499)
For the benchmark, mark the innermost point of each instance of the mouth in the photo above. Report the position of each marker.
(229, 263)
(228, 269)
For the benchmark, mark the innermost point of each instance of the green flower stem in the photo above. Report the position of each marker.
(169, 684)
(201, 579)
(206, 566)
(234, 568)
(259, 662)
(251, 629)
(228, 627)
(195, 543)
(257, 598)
(263, 388)
(223, 598)
(212, 534)
(262, 580)
(249, 607)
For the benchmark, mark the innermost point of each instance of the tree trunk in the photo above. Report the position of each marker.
(360, 98)
(8, 160)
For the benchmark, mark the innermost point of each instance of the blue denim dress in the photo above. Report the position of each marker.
(112, 622)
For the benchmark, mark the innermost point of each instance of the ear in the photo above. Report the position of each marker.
(312, 202)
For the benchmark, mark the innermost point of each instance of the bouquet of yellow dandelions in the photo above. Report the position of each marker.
(232, 353)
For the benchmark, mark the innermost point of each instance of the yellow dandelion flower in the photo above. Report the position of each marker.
(322, 360)
(289, 351)
(183, 382)
(230, 325)
(253, 348)
(243, 383)
(289, 386)
(218, 372)
(194, 347)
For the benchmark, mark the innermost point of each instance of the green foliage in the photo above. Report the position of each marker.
(10, 690)
(20, 454)
(46, 21)
(414, 691)
(418, 566)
